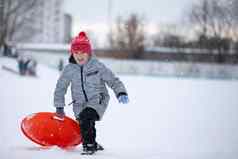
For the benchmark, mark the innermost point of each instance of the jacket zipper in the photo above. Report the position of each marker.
(82, 85)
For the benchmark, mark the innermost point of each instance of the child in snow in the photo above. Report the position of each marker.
(88, 78)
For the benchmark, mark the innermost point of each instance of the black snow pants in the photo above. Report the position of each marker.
(87, 120)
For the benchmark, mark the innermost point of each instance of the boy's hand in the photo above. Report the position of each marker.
(123, 99)
(59, 113)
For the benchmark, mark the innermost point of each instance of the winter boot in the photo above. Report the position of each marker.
(89, 149)
(98, 147)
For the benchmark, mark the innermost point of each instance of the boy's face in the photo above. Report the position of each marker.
(81, 58)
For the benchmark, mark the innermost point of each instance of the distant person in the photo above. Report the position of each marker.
(31, 67)
(26, 65)
(61, 65)
(88, 78)
(22, 64)
(14, 52)
(6, 50)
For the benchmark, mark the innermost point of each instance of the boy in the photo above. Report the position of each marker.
(87, 77)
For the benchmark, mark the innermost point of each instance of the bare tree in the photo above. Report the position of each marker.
(15, 15)
(117, 35)
(169, 36)
(233, 5)
(129, 35)
(1, 14)
(213, 20)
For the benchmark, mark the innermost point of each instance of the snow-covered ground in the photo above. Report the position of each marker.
(166, 118)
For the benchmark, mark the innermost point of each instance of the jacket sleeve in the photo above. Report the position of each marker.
(113, 82)
(61, 87)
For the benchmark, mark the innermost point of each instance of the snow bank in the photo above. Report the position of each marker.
(154, 68)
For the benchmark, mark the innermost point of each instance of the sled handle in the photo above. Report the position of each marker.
(58, 118)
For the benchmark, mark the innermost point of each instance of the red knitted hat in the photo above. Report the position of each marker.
(81, 43)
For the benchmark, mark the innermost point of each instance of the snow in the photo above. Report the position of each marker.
(166, 118)
(41, 46)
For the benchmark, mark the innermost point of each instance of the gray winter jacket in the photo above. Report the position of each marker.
(88, 86)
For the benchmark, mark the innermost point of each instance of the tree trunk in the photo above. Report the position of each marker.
(1, 21)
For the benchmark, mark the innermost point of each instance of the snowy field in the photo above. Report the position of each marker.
(167, 118)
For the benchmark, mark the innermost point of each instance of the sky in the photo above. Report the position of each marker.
(94, 15)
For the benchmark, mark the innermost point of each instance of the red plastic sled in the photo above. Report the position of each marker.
(43, 129)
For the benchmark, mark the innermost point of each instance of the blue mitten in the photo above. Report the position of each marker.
(123, 99)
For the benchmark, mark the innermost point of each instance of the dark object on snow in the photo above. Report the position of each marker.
(10, 70)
